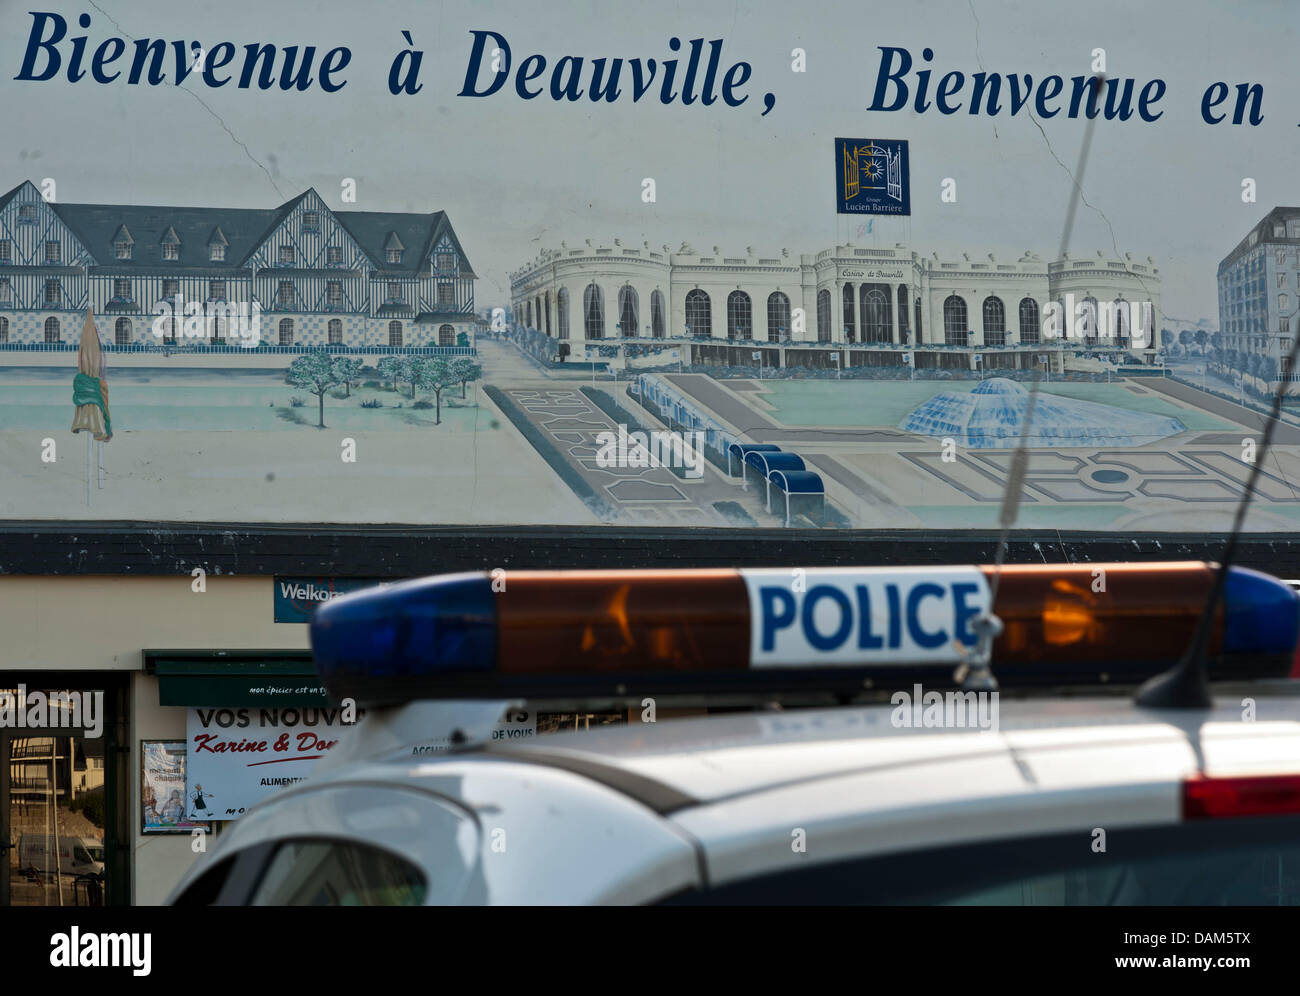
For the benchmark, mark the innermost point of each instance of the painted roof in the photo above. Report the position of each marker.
(242, 230)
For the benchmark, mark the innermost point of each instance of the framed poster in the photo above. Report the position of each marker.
(162, 788)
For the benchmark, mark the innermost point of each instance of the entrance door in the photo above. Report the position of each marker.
(60, 813)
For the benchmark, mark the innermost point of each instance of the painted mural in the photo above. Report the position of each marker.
(805, 295)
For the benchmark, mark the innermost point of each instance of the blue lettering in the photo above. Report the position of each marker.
(866, 639)
(884, 78)
(963, 613)
(919, 636)
(891, 595)
(846, 617)
(771, 620)
(35, 43)
(476, 58)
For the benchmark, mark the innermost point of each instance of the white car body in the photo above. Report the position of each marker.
(648, 812)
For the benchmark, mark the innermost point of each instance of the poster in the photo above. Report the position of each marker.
(420, 267)
(240, 756)
(162, 788)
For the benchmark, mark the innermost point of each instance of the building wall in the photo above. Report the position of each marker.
(102, 624)
(924, 282)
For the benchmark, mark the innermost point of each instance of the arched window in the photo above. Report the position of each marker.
(740, 316)
(850, 326)
(917, 315)
(823, 316)
(1121, 329)
(218, 327)
(122, 332)
(546, 310)
(336, 332)
(628, 312)
(4, 329)
(562, 312)
(699, 313)
(877, 321)
(954, 322)
(394, 333)
(1030, 329)
(778, 317)
(52, 329)
(901, 303)
(528, 315)
(593, 311)
(995, 322)
(286, 331)
(446, 335)
(657, 314)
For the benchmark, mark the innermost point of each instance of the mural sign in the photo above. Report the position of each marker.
(433, 310)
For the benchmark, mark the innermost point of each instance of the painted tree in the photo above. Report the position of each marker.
(313, 372)
(348, 372)
(1166, 338)
(412, 370)
(433, 373)
(390, 369)
(1185, 338)
(1201, 337)
(465, 370)
(1216, 341)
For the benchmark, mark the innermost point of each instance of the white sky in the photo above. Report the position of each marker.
(519, 175)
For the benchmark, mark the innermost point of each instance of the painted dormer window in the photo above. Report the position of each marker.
(171, 246)
(445, 262)
(27, 213)
(52, 251)
(285, 257)
(311, 221)
(334, 256)
(393, 248)
(217, 253)
(121, 250)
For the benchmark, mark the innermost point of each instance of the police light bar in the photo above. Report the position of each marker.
(625, 634)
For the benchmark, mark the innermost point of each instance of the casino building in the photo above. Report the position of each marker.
(355, 280)
(870, 306)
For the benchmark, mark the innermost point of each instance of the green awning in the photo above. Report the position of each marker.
(234, 678)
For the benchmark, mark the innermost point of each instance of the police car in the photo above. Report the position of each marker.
(958, 735)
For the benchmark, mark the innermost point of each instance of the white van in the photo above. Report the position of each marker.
(77, 855)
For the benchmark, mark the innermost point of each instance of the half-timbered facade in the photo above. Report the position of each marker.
(320, 277)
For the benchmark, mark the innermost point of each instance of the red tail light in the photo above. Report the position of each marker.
(1248, 795)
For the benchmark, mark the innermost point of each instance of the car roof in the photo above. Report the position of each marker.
(674, 764)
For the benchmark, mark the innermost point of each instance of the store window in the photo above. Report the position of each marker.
(62, 791)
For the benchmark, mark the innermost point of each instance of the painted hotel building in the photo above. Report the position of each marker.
(349, 279)
(869, 298)
(1259, 291)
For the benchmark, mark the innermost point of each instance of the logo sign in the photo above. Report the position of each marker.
(871, 176)
(296, 598)
(830, 617)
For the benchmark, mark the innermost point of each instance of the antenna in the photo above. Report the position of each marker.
(975, 673)
(1186, 684)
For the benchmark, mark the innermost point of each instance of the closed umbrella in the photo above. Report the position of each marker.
(90, 395)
